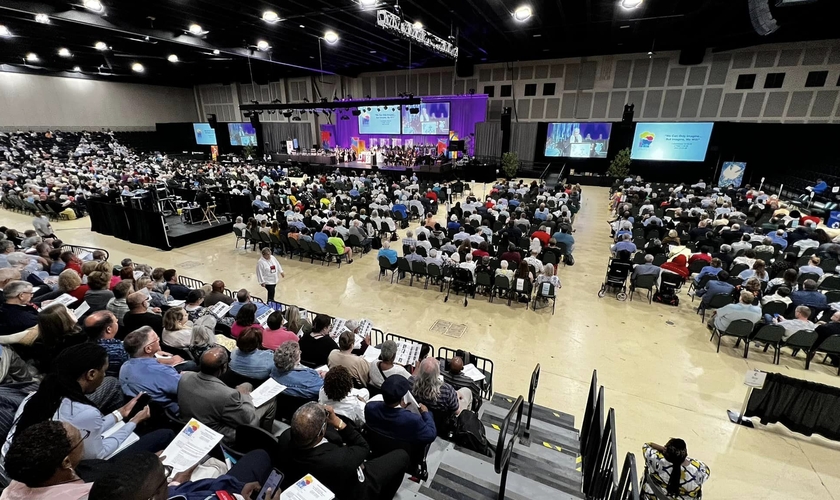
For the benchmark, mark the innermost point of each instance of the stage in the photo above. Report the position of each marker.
(428, 171)
(181, 234)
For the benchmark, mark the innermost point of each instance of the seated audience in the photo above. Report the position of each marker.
(646, 269)
(743, 309)
(809, 296)
(390, 417)
(357, 366)
(385, 367)
(338, 393)
(245, 318)
(177, 328)
(249, 359)
(317, 345)
(102, 327)
(140, 314)
(800, 322)
(143, 373)
(813, 267)
(217, 294)
(176, 290)
(300, 381)
(661, 461)
(455, 377)
(18, 313)
(429, 389)
(118, 305)
(99, 293)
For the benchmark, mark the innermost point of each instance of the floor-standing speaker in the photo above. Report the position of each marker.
(505, 130)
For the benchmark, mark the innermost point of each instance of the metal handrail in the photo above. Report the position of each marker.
(190, 283)
(484, 365)
(589, 455)
(588, 413)
(604, 478)
(505, 452)
(78, 250)
(544, 172)
(628, 485)
(532, 394)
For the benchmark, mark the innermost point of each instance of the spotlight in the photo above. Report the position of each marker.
(522, 13)
(196, 30)
(216, 52)
(4, 31)
(414, 111)
(367, 3)
(172, 58)
(137, 68)
(418, 25)
(302, 26)
(287, 114)
(631, 4)
(64, 52)
(94, 5)
(331, 37)
(32, 57)
(77, 69)
(42, 18)
(270, 16)
(357, 112)
(263, 45)
(101, 46)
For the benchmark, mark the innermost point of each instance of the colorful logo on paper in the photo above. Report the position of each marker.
(646, 139)
(191, 427)
(305, 481)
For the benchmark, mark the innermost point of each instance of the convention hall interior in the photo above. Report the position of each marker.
(420, 249)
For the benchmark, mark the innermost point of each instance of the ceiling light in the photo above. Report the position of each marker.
(77, 69)
(263, 45)
(101, 46)
(64, 52)
(94, 5)
(302, 26)
(32, 57)
(367, 3)
(418, 25)
(196, 29)
(522, 13)
(216, 52)
(42, 18)
(270, 16)
(137, 68)
(4, 31)
(631, 4)
(331, 37)
(172, 58)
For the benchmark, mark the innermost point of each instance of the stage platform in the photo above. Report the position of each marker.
(181, 234)
(429, 171)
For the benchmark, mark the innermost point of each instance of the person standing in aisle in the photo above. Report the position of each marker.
(267, 271)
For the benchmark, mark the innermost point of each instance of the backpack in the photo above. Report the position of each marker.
(376, 243)
(569, 260)
(469, 433)
(666, 297)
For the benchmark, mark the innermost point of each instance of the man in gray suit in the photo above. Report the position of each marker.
(206, 398)
(645, 269)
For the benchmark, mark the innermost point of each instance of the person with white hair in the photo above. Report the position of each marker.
(17, 313)
(504, 271)
(429, 389)
(468, 264)
(239, 224)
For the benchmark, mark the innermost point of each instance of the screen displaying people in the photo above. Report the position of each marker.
(432, 119)
(242, 134)
(578, 140)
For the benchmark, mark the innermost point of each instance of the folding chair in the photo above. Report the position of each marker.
(210, 214)
(435, 273)
(385, 266)
(332, 251)
(520, 287)
(770, 336)
(462, 280)
(403, 266)
(645, 282)
(802, 339)
(717, 301)
(740, 328)
(830, 346)
(546, 291)
(239, 236)
(419, 269)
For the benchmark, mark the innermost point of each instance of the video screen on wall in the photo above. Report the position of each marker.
(242, 134)
(671, 141)
(578, 140)
(204, 134)
(433, 119)
(379, 120)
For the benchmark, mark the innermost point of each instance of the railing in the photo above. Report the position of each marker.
(484, 365)
(79, 250)
(532, 394)
(377, 336)
(591, 401)
(605, 476)
(504, 451)
(190, 283)
(542, 175)
(400, 338)
(628, 485)
(589, 453)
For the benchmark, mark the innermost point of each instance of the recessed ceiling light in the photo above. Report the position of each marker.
(302, 26)
(263, 45)
(270, 16)
(631, 4)
(101, 46)
(418, 25)
(94, 5)
(216, 52)
(42, 18)
(537, 36)
(137, 68)
(4, 31)
(195, 29)
(522, 13)
(64, 52)
(331, 37)
(367, 3)
(32, 57)
(172, 58)
(77, 69)
(373, 52)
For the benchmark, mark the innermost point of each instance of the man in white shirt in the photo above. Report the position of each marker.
(800, 322)
(268, 270)
(42, 225)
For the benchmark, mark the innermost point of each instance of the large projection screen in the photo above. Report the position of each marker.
(578, 140)
(671, 141)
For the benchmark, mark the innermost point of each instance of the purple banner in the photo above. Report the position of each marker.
(465, 112)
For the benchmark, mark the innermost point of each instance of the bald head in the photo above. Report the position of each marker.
(101, 325)
(136, 301)
(213, 361)
(307, 425)
(456, 365)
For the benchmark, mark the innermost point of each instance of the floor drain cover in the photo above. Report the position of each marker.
(456, 331)
(440, 326)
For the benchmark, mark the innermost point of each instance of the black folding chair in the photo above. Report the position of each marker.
(740, 328)
(645, 282)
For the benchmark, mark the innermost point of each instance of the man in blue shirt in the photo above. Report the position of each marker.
(820, 187)
(779, 237)
(388, 253)
(744, 309)
(624, 245)
(563, 236)
(714, 287)
(392, 419)
(243, 297)
(259, 204)
(809, 296)
(143, 373)
(713, 269)
(321, 239)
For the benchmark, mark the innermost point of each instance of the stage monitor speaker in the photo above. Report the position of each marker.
(211, 119)
(465, 68)
(692, 56)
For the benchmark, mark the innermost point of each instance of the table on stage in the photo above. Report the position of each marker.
(312, 159)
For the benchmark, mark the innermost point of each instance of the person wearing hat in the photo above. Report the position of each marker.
(391, 417)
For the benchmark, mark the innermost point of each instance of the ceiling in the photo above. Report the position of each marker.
(486, 32)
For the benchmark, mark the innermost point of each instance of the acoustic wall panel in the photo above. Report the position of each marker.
(824, 103)
(719, 70)
(731, 105)
(599, 104)
(653, 101)
(617, 101)
(697, 75)
(711, 103)
(641, 68)
(776, 103)
(753, 105)
(570, 82)
(622, 74)
(584, 106)
(676, 77)
(658, 72)
(671, 105)
(799, 104)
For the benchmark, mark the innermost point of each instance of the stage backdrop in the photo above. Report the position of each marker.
(464, 112)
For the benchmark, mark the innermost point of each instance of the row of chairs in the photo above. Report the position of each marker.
(292, 247)
(17, 204)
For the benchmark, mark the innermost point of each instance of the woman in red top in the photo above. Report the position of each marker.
(481, 251)
(71, 262)
(274, 333)
(678, 266)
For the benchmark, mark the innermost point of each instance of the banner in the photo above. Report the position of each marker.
(732, 174)
(327, 135)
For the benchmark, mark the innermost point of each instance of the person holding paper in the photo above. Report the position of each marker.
(274, 333)
(455, 377)
(428, 388)
(338, 393)
(63, 395)
(391, 418)
(204, 397)
(357, 366)
(268, 270)
(336, 462)
(385, 367)
(300, 381)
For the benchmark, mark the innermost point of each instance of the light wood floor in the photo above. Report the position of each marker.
(660, 371)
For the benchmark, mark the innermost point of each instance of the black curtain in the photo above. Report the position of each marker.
(108, 218)
(146, 228)
(801, 406)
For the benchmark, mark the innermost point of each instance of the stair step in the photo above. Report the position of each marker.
(540, 412)
(559, 461)
(567, 440)
(464, 476)
(535, 470)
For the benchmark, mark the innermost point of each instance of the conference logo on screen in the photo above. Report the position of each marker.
(646, 139)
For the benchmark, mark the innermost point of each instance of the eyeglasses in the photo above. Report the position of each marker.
(167, 471)
(157, 339)
(85, 434)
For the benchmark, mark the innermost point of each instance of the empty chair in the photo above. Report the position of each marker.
(644, 282)
(802, 339)
(829, 346)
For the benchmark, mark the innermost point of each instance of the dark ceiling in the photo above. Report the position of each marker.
(486, 32)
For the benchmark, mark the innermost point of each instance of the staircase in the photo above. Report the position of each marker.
(544, 458)
(553, 179)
